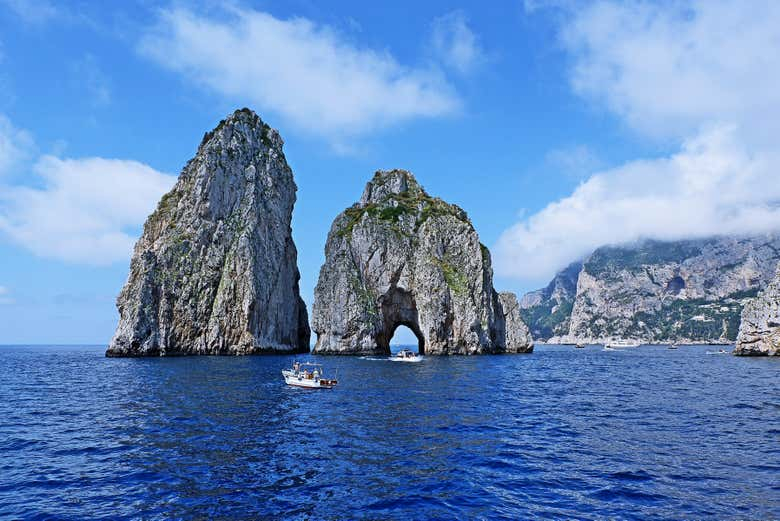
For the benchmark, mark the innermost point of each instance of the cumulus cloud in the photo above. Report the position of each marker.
(669, 68)
(84, 208)
(79, 210)
(309, 74)
(699, 73)
(714, 185)
(454, 43)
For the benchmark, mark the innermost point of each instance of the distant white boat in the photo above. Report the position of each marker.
(405, 355)
(308, 375)
(619, 344)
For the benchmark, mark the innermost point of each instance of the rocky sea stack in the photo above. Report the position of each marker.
(215, 271)
(401, 257)
(759, 331)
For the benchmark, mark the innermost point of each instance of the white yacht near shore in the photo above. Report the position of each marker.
(621, 344)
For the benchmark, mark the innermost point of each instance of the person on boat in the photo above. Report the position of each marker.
(296, 366)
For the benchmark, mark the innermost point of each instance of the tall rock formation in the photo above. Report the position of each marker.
(759, 331)
(518, 336)
(215, 269)
(402, 257)
(656, 292)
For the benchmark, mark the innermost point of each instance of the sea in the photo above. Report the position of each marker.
(563, 433)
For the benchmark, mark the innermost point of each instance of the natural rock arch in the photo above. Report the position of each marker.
(398, 308)
(402, 257)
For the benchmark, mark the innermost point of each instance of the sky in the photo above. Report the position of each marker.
(559, 126)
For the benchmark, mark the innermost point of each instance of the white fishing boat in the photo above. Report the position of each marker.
(405, 355)
(308, 375)
(620, 344)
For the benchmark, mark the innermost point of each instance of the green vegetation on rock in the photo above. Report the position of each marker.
(405, 211)
(456, 281)
(548, 318)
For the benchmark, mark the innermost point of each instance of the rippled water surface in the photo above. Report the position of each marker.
(587, 434)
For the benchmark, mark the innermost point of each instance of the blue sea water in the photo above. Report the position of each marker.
(643, 433)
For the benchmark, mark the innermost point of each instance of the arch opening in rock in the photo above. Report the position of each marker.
(406, 335)
(398, 308)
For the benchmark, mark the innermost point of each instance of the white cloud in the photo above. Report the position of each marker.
(308, 74)
(79, 210)
(703, 74)
(84, 210)
(712, 186)
(16, 145)
(454, 42)
(669, 68)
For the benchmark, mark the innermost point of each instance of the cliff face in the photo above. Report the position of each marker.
(547, 311)
(518, 336)
(759, 331)
(215, 269)
(402, 257)
(684, 291)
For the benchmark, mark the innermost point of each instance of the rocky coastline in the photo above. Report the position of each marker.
(759, 331)
(654, 292)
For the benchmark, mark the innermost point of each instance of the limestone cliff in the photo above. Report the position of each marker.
(215, 269)
(547, 311)
(518, 336)
(654, 292)
(402, 257)
(759, 331)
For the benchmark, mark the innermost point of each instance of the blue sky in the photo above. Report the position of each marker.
(557, 126)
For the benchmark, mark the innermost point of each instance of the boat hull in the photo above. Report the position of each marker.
(299, 380)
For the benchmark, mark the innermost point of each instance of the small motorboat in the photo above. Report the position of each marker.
(406, 355)
(579, 346)
(673, 346)
(620, 344)
(308, 375)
